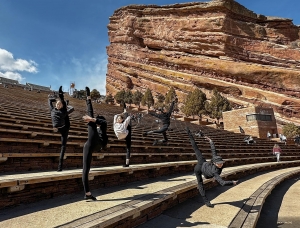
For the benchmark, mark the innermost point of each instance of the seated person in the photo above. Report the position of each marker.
(248, 139)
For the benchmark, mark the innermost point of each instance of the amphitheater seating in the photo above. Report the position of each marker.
(30, 150)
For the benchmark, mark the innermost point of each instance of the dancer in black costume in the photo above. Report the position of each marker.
(211, 169)
(165, 119)
(61, 122)
(97, 140)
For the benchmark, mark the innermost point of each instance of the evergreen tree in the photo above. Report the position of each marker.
(195, 104)
(217, 105)
(170, 96)
(109, 99)
(160, 101)
(128, 97)
(95, 94)
(80, 94)
(290, 130)
(148, 99)
(137, 98)
(120, 96)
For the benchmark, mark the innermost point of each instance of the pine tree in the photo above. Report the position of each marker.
(95, 94)
(217, 105)
(170, 96)
(290, 130)
(160, 101)
(109, 99)
(195, 104)
(148, 99)
(128, 97)
(120, 96)
(137, 98)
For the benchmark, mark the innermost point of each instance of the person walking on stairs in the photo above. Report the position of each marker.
(165, 119)
(122, 129)
(61, 122)
(211, 169)
(97, 140)
(277, 151)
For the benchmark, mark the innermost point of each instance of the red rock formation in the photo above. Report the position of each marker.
(205, 44)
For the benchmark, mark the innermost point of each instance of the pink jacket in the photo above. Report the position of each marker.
(276, 150)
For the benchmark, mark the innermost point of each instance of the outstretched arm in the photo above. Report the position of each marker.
(154, 114)
(222, 182)
(61, 97)
(50, 100)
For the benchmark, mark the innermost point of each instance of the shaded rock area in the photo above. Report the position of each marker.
(248, 57)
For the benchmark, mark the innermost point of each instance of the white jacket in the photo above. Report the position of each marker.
(120, 129)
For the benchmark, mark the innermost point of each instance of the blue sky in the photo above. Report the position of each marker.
(56, 42)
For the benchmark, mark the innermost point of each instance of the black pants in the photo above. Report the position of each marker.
(64, 132)
(162, 130)
(128, 137)
(93, 143)
(198, 167)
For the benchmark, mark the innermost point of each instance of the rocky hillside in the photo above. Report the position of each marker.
(250, 58)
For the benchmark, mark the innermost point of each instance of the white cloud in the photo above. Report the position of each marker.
(9, 66)
(12, 75)
(91, 73)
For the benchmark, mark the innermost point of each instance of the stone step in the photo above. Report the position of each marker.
(228, 203)
(135, 203)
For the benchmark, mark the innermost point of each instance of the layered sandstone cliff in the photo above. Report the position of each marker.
(246, 56)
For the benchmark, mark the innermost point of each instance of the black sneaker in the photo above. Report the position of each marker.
(126, 165)
(60, 91)
(86, 197)
(87, 90)
(208, 204)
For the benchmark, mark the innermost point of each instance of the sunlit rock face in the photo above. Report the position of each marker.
(250, 58)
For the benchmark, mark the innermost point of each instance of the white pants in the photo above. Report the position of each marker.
(277, 154)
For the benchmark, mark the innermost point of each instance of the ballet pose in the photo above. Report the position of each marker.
(211, 169)
(61, 122)
(165, 119)
(97, 140)
(122, 129)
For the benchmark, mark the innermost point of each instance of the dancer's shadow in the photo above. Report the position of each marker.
(181, 213)
(25, 209)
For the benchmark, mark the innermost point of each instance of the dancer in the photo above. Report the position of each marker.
(97, 140)
(60, 122)
(209, 169)
(200, 133)
(165, 119)
(122, 129)
(277, 151)
(248, 139)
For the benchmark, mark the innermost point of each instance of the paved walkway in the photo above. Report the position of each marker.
(227, 201)
(192, 213)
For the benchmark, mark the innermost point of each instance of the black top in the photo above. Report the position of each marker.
(210, 170)
(57, 115)
(165, 116)
(102, 130)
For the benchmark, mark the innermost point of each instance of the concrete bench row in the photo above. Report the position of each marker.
(138, 211)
